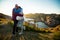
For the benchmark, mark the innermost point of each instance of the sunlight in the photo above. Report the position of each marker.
(29, 6)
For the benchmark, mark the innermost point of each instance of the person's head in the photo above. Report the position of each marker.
(16, 6)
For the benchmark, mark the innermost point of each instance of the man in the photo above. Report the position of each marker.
(17, 11)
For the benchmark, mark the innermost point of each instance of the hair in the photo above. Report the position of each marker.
(16, 4)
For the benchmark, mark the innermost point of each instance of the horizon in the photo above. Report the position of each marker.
(31, 6)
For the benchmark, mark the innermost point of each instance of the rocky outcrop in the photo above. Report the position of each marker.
(52, 21)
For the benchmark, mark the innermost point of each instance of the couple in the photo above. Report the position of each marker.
(17, 16)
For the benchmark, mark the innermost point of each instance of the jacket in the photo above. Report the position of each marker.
(16, 13)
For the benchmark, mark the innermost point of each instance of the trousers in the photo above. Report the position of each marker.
(15, 28)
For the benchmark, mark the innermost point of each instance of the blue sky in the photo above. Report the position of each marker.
(31, 6)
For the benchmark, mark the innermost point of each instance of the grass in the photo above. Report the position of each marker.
(57, 35)
(31, 33)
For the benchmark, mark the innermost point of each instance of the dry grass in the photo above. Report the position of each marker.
(29, 34)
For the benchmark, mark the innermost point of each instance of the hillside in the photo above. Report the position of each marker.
(29, 34)
(6, 34)
(4, 16)
(4, 19)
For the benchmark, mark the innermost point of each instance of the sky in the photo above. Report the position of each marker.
(31, 6)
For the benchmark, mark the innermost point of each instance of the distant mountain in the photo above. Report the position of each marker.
(4, 16)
